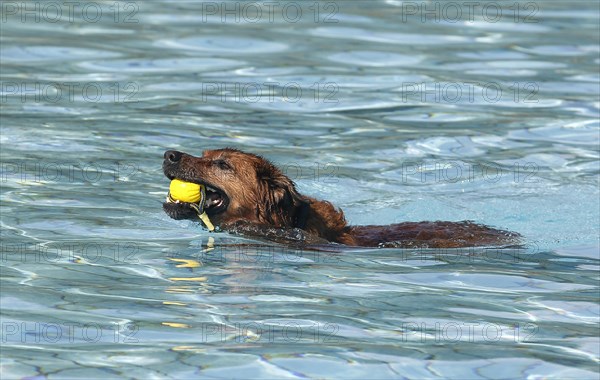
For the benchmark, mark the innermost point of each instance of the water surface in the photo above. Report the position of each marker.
(390, 117)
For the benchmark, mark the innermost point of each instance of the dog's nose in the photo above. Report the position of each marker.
(173, 156)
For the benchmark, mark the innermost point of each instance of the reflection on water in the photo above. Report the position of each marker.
(491, 117)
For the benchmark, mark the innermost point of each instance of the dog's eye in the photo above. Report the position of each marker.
(222, 164)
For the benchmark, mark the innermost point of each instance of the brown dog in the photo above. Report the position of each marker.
(247, 194)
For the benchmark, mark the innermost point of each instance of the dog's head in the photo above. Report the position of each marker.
(239, 187)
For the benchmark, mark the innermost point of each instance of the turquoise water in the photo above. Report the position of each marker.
(479, 115)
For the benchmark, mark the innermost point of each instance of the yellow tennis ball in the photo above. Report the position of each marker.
(185, 191)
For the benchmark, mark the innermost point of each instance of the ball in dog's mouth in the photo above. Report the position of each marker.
(194, 195)
(182, 191)
(206, 197)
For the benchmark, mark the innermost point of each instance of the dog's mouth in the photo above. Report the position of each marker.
(216, 200)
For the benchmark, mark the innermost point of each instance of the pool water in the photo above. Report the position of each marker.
(394, 111)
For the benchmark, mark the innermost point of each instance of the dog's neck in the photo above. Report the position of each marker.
(301, 216)
(324, 220)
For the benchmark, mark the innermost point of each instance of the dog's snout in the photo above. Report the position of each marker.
(173, 156)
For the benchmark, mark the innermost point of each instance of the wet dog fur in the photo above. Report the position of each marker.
(250, 195)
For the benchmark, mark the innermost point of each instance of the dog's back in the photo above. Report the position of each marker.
(431, 235)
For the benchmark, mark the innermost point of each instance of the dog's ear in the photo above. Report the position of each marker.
(283, 206)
